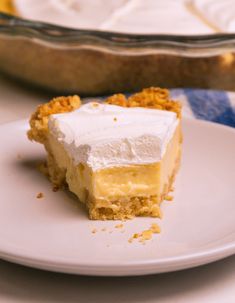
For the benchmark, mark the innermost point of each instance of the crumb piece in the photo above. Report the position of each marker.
(119, 226)
(55, 188)
(115, 119)
(107, 245)
(147, 234)
(122, 231)
(172, 189)
(155, 228)
(40, 195)
(95, 104)
(104, 229)
(117, 99)
(135, 236)
(110, 231)
(94, 231)
(169, 198)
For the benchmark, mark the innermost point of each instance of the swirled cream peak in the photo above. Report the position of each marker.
(102, 135)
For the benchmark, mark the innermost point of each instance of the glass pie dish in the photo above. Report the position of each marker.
(93, 63)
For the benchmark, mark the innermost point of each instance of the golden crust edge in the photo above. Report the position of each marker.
(39, 119)
(152, 97)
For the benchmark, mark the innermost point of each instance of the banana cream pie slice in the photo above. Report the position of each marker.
(119, 157)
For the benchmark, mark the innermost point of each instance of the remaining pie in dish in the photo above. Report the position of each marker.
(119, 157)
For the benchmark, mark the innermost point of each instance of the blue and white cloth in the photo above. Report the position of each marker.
(210, 105)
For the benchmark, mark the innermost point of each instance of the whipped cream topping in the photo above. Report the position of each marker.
(103, 135)
(220, 14)
(127, 16)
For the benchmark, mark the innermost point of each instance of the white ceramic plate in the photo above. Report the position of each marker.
(54, 232)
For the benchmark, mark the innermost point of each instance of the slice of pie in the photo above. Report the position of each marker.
(119, 157)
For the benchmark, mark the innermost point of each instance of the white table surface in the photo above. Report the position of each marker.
(211, 283)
